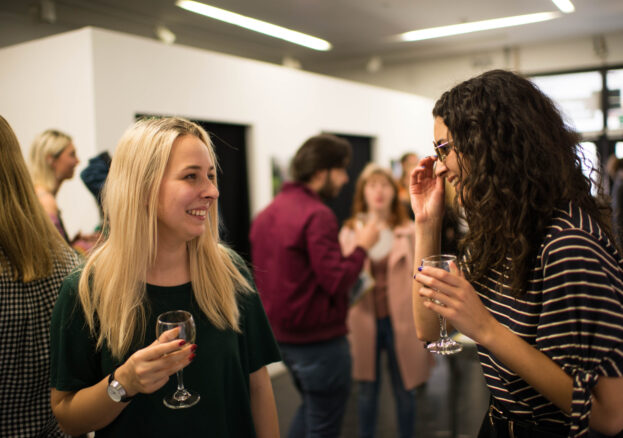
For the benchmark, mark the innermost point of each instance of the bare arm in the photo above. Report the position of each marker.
(263, 406)
(427, 202)
(427, 242)
(607, 411)
(86, 410)
(549, 379)
(145, 371)
(469, 315)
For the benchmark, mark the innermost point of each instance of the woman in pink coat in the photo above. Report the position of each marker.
(382, 318)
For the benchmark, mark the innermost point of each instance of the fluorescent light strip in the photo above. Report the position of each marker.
(254, 24)
(564, 5)
(476, 26)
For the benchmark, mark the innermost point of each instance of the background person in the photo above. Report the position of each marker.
(53, 160)
(408, 162)
(382, 320)
(34, 259)
(94, 176)
(162, 252)
(304, 282)
(541, 291)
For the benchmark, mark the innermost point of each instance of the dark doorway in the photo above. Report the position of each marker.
(230, 146)
(362, 155)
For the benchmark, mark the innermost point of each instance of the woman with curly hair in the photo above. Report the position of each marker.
(540, 287)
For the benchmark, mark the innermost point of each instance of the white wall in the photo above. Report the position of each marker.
(49, 84)
(100, 79)
(282, 106)
(431, 77)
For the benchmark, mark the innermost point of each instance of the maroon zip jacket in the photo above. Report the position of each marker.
(300, 273)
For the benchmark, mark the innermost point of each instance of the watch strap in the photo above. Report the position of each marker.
(126, 397)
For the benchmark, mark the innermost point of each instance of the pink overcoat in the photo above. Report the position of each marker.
(414, 360)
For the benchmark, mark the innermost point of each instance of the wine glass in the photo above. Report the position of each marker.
(181, 398)
(444, 345)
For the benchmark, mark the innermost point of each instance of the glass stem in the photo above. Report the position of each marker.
(180, 381)
(443, 332)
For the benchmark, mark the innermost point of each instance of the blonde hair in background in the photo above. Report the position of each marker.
(28, 240)
(398, 214)
(112, 285)
(47, 146)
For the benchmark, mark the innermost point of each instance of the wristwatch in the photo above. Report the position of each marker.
(116, 391)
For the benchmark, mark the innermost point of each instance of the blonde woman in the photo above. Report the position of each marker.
(382, 320)
(53, 160)
(162, 253)
(34, 259)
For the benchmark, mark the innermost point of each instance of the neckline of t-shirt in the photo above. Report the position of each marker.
(156, 288)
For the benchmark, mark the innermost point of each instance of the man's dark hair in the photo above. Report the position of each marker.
(320, 152)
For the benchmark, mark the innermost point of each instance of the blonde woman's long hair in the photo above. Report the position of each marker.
(47, 146)
(28, 240)
(112, 285)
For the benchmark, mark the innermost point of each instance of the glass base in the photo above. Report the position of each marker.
(444, 346)
(181, 399)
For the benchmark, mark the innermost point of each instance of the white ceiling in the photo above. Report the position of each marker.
(357, 29)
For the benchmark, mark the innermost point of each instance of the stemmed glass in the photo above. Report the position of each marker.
(444, 345)
(181, 398)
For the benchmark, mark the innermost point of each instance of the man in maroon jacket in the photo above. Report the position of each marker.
(304, 280)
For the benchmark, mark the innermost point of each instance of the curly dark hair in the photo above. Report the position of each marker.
(518, 162)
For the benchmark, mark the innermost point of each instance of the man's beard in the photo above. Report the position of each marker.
(328, 190)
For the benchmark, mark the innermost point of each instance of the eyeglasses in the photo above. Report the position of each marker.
(442, 150)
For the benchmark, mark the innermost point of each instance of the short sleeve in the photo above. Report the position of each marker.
(581, 321)
(257, 336)
(73, 357)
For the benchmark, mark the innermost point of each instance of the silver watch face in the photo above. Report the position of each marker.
(116, 391)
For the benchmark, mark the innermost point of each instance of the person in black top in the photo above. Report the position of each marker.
(161, 252)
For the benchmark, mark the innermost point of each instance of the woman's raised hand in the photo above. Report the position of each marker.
(427, 192)
(149, 368)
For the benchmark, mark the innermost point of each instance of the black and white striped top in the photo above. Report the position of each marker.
(572, 312)
(25, 312)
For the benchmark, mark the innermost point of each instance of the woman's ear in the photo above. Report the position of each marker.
(49, 159)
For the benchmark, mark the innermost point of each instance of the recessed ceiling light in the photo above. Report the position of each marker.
(476, 26)
(255, 25)
(564, 5)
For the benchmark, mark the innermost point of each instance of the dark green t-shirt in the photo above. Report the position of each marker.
(219, 372)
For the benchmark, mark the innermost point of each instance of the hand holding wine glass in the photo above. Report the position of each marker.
(184, 322)
(444, 345)
(148, 369)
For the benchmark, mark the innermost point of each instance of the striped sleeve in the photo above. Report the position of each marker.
(581, 322)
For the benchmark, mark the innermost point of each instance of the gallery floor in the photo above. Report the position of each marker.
(451, 404)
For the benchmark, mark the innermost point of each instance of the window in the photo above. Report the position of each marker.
(578, 96)
(614, 80)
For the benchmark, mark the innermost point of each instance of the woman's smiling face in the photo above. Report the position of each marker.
(187, 191)
(449, 167)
